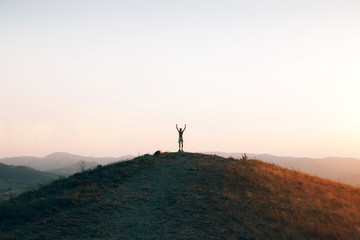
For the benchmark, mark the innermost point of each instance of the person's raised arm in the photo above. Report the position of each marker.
(184, 127)
(177, 127)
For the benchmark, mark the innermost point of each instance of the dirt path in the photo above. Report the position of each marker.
(148, 204)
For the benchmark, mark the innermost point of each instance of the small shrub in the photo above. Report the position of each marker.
(157, 153)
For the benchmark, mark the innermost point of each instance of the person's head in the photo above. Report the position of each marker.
(180, 129)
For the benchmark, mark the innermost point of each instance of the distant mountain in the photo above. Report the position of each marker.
(346, 170)
(75, 168)
(16, 179)
(185, 196)
(58, 160)
(351, 179)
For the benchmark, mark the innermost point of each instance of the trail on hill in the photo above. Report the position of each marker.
(159, 202)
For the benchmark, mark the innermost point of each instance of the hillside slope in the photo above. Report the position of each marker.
(338, 169)
(75, 168)
(15, 179)
(185, 196)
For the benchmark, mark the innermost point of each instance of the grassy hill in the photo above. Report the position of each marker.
(340, 169)
(16, 179)
(185, 196)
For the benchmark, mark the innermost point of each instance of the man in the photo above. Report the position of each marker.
(181, 141)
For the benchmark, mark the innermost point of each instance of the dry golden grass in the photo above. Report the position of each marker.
(293, 204)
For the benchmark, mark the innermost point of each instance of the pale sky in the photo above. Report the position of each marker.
(109, 78)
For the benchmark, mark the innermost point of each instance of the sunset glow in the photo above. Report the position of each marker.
(109, 78)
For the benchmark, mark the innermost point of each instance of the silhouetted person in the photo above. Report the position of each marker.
(181, 141)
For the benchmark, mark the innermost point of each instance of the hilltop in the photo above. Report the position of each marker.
(185, 196)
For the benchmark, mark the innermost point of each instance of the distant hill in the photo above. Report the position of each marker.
(16, 179)
(346, 170)
(351, 179)
(75, 168)
(58, 160)
(185, 196)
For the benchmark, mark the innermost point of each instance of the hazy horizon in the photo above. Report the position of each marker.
(202, 152)
(113, 78)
